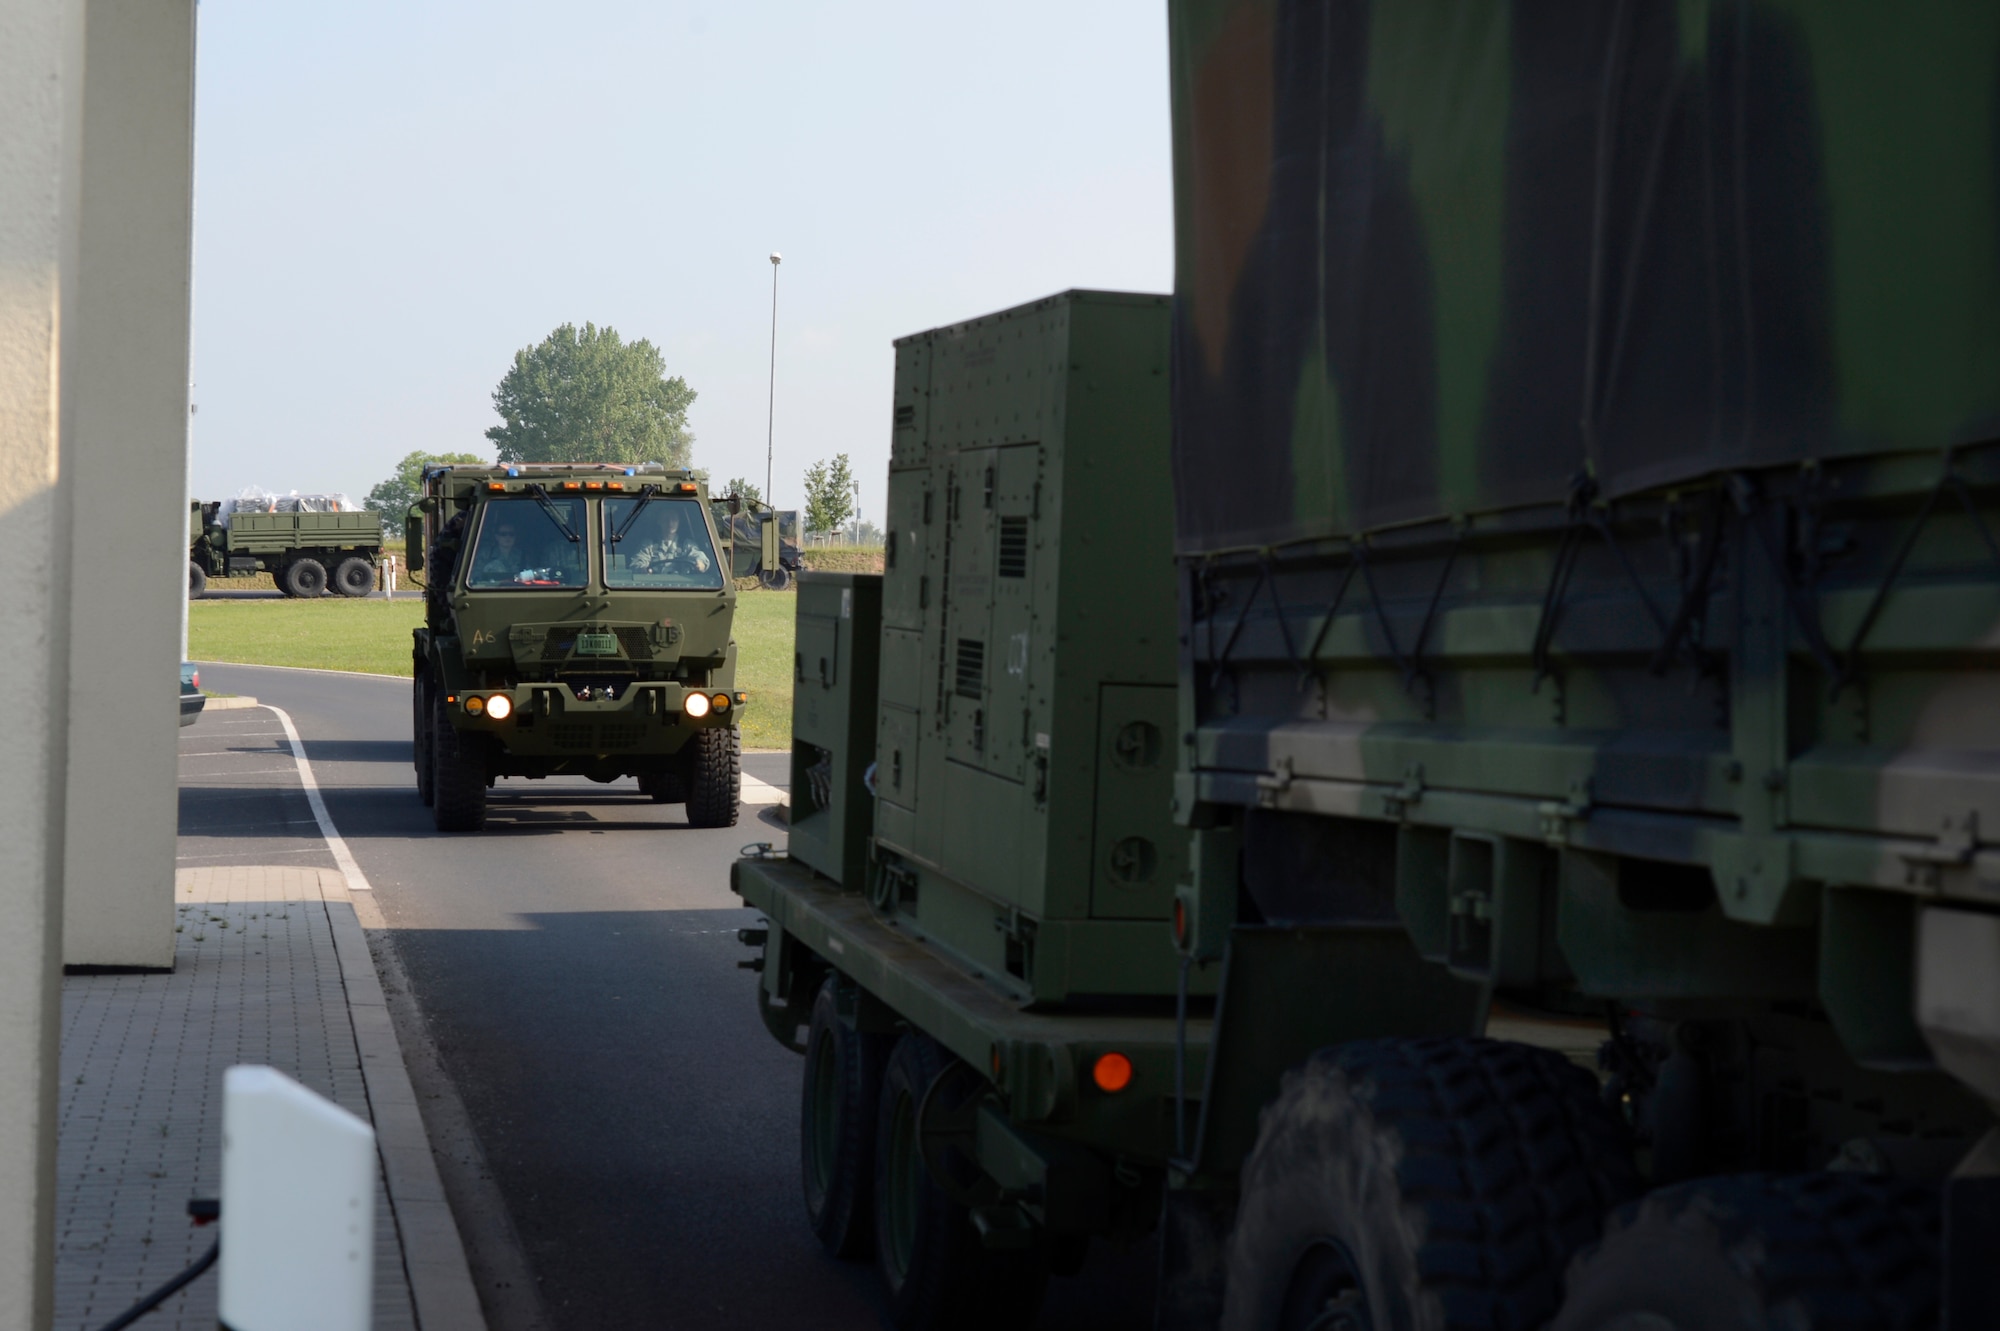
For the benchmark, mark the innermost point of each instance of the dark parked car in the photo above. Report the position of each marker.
(192, 700)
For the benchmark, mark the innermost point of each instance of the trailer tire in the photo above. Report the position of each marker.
(1422, 1185)
(304, 577)
(354, 576)
(422, 741)
(937, 1273)
(714, 778)
(775, 579)
(1763, 1250)
(197, 581)
(458, 774)
(843, 1080)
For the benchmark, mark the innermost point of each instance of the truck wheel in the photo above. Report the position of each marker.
(458, 775)
(1418, 1185)
(937, 1272)
(354, 576)
(775, 579)
(1757, 1251)
(714, 778)
(843, 1080)
(304, 577)
(197, 581)
(421, 741)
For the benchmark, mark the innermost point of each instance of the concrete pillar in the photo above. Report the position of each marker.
(41, 125)
(127, 469)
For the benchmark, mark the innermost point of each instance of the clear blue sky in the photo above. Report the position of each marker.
(393, 198)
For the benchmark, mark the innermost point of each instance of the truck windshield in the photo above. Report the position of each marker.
(665, 545)
(521, 546)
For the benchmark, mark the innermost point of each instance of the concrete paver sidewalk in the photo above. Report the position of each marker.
(270, 967)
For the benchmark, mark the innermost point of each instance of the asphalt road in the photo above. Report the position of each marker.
(575, 965)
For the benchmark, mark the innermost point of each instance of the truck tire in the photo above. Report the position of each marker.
(458, 775)
(1852, 1251)
(775, 579)
(354, 576)
(197, 581)
(304, 577)
(937, 1273)
(421, 741)
(1422, 1185)
(714, 777)
(843, 1081)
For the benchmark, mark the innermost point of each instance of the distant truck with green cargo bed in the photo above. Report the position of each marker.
(307, 554)
(577, 623)
(1583, 577)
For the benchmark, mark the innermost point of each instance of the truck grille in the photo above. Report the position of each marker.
(971, 673)
(608, 737)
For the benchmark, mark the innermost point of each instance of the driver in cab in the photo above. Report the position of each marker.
(504, 556)
(665, 546)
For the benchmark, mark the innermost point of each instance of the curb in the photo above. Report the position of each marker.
(229, 704)
(441, 1284)
(308, 670)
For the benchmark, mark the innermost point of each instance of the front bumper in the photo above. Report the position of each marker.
(549, 719)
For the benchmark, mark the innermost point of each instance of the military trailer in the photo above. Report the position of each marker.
(969, 937)
(307, 554)
(577, 623)
(1586, 576)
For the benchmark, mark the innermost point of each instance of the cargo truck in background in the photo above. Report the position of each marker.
(1559, 888)
(306, 553)
(577, 623)
(763, 541)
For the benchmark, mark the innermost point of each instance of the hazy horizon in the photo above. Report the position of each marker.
(391, 201)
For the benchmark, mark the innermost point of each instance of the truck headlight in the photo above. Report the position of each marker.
(499, 707)
(696, 705)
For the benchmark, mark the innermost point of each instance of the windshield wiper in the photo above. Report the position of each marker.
(645, 497)
(555, 514)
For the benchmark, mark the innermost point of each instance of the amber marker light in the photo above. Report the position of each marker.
(499, 707)
(593, 485)
(475, 704)
(1180, 923)
(571, 485)
(696, 705)
(1112, 1072)
(496, 487)
(742, 698)
(721, 701)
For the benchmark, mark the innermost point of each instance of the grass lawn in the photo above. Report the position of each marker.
(374, 637)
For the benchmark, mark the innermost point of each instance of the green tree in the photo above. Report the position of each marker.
(744, 489)
(588, 396)
(395, 495)
(829, 495)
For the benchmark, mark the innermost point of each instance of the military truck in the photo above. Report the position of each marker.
(306, 553)
(577, 623)
(763, 541)
(1586, 574)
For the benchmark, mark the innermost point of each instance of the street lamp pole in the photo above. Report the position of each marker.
(771, 407)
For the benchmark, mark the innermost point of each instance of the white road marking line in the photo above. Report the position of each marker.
(357, 881)
(754, 791)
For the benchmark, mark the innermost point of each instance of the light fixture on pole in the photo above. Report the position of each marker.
(771, 407)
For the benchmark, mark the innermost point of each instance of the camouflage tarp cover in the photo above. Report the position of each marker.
(1438, 258)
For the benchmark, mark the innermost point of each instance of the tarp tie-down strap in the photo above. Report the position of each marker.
(1410, 664)
(1229, 643)
(1750, 506)
(1850, 663)
(1585, 516)
(1693, 607)
(1333, 609)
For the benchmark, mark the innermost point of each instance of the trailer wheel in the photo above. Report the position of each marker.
(937, 1272)
(197, 581)
(354, 576)
(843, 1080)
(304, 577)
(714, 778)
(775, 579)
(421, 741)
(1761, 1250)
(458, 774)
(1419, 1185)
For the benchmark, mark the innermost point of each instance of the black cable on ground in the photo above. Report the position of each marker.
(166, 1291)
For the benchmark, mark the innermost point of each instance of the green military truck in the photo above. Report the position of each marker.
(306, 553)
(1585, 451)
(577, 623)
(763, 541)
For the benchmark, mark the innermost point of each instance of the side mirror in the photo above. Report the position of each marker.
(735, 505)
(768, 531)
(413, 541)
(429, 503)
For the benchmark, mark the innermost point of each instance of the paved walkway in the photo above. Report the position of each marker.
(270, 967)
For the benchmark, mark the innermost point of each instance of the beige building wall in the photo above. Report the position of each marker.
(127, 469)
(41, 112)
